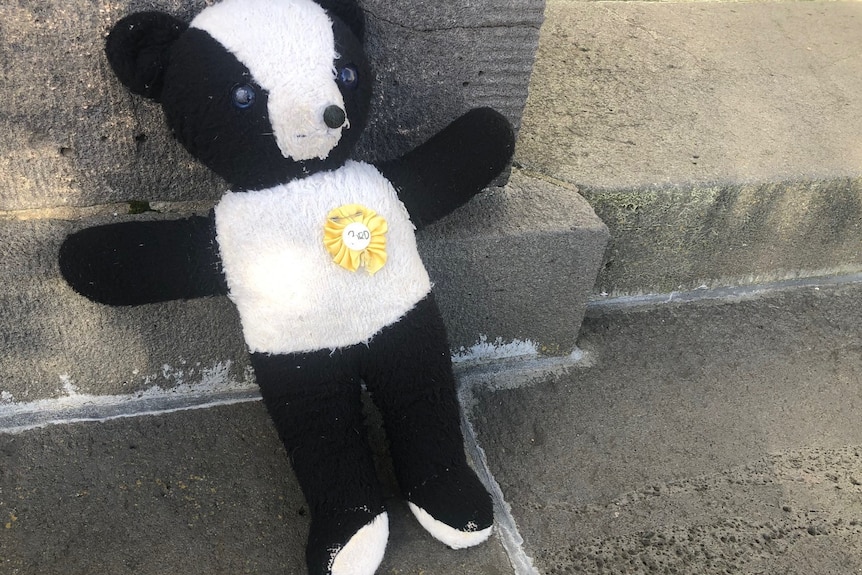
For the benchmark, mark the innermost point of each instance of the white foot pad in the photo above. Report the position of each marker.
(362, 554)
(449, 535)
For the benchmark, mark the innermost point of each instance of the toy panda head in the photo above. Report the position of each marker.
(260, 91)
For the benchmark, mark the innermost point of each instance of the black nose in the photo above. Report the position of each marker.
(334, 117)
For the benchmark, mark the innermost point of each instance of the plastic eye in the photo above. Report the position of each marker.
(348, 76)
(242, 96)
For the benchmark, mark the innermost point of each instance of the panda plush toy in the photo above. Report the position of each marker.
(316, 250)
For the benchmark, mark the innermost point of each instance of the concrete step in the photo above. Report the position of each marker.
(204, 491)
(718, 141)
(710, 436)
(513, 271)
(717, 436)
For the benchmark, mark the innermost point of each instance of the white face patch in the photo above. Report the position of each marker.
(289, 48)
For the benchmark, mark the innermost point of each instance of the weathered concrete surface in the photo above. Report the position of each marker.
(517, 263)
(726, 235)
(718, 437)
(718, 141)
(667, 93)
(703, 438)
(205, 491)
(434, 60)
(52, 337)
(71, 135)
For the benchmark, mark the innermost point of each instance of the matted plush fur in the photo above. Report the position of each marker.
(453, 538)
(291, 296)
(364, 552)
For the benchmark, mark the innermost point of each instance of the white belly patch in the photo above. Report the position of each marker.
(291, 295)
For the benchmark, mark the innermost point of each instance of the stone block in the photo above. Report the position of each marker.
(71, 135)
(516, 264)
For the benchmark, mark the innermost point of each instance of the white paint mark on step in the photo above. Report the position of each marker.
(213, 387)
(482, 350)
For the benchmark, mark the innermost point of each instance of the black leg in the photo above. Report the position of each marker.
(314, 401)
(407, 368)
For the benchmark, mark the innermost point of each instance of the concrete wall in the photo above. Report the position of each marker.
(76, 150)
(71, 135)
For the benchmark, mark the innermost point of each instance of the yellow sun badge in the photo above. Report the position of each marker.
(356, 237)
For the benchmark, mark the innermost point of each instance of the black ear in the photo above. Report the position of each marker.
(349, 12)
(137, 49)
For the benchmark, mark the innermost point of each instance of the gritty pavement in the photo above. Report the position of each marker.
(707, 437)
(635, 94)
(204, 491)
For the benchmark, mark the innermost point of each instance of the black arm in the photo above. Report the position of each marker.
(133, 263)
(446, 171)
